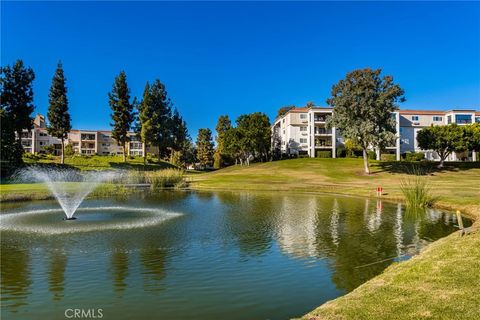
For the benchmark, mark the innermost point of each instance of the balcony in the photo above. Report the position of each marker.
(323, 131)
(88, 146)
(323, 143)
(88, 137)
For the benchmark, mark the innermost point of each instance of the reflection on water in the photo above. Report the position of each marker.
(241, 255)
(56, 280)
(119, 268)
(15, 277)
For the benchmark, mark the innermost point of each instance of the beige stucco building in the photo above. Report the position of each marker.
(303, 131)
(85, 142)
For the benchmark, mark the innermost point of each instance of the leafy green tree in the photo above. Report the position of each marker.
(310, 104)
(363, 104)
(16, 97)
(255, 133)
(472, 136)
(58, 115)
(223, 125)
(442, 139)
(232, 148)
(205, 147)
(10, 150)
(122, 112)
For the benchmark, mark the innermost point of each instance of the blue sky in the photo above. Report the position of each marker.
(232, 58)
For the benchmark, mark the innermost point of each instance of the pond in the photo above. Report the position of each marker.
(202, 255)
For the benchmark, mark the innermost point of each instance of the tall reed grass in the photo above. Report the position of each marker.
(167, 178)
(416, 190)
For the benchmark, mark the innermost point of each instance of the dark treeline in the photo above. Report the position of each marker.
(249, 140)
(16, 99)
(156, 122)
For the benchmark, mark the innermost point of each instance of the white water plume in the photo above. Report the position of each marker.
(68, 186)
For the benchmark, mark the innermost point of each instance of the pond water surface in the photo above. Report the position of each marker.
(208, 255)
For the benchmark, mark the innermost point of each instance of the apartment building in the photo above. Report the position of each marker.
(412, 121)
(85, 142)
(303, 131)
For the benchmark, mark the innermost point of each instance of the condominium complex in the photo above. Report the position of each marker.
(85, 142)
(303, 131)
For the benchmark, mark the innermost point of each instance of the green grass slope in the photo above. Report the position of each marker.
(456, 186)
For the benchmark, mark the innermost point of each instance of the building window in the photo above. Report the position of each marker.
(449, 119)
(303, 140)
(414, 118)
(135, 145)
(86, 136)
(477, 119)
(463, 118)
(303, 116)
(320, 117)
(303, 128)
(42, 134)
(437, 119)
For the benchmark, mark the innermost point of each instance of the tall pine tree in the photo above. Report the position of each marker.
(17, 97)
(122, 112)
(179, 131)
(223, 125)
(58, 116)
(145, 129)
(161, 118)
(205, 147)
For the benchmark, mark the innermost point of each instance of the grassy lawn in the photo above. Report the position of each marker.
(100, 162)
(440, 283)
(457, 186)
(37, 191)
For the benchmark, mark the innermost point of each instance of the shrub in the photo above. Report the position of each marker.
(388, 157)
(371, 155)
(50, 149)
(341, 152)
(414, 156)
(323, 154)
(69, 150)
(351, 148)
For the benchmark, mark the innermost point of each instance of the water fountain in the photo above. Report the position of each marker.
(68, 186)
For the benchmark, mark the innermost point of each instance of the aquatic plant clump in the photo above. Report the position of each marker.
(417, 192)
